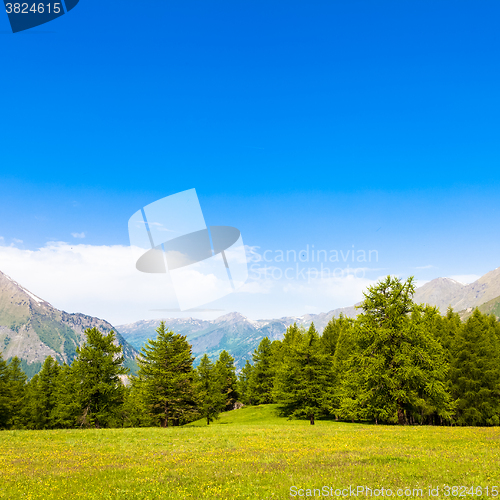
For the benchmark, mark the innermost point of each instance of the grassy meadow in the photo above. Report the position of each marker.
(248, 453)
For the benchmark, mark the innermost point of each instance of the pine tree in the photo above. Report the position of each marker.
(243, 381)
(41, 396)
(475, 372)
(17, 382)
(226, 373)
(67, 411)
(5, 395)
(451, 326)
(212, 399)
(32, 413)
(260, 385)
(396, 366)
(293, 336)
(302, 383)
(98, 366)
(332, 332)
(165, 378)
(135, 412)
(280, 350)
(344, 349)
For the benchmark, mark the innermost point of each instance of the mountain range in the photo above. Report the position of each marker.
(32, 329)
(240, 335)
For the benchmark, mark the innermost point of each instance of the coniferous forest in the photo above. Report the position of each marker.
(397, 363)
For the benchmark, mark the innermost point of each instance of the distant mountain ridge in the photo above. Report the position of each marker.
(240, 335)
(32, 329)
(233, 332)
(444, 292)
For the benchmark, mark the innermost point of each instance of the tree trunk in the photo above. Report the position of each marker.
(165, 422)
(84, 416)
(208, 420)
(311, 419)
(401, 414)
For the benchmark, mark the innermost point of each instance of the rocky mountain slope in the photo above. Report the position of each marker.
(32, 329)
(444, 292)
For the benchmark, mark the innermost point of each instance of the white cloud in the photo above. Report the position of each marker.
(158, 225)
(102, 281)
(257, 287)
(340, 292)
(98, 280)
(161, 227)
(252, 254)
(78, 235)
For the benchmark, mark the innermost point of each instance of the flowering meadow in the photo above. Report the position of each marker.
(248, 453)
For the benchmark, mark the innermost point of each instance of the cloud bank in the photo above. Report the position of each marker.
(102, 281)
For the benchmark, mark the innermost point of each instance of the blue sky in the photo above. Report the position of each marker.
(373, 124)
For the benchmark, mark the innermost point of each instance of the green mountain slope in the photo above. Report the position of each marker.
(490, 307)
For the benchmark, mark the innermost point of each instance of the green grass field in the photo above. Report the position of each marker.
(248, 453)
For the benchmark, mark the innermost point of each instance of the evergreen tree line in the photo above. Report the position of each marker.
(398, 363)
(94, 390)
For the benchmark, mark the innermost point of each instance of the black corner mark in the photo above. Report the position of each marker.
(31, 13)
